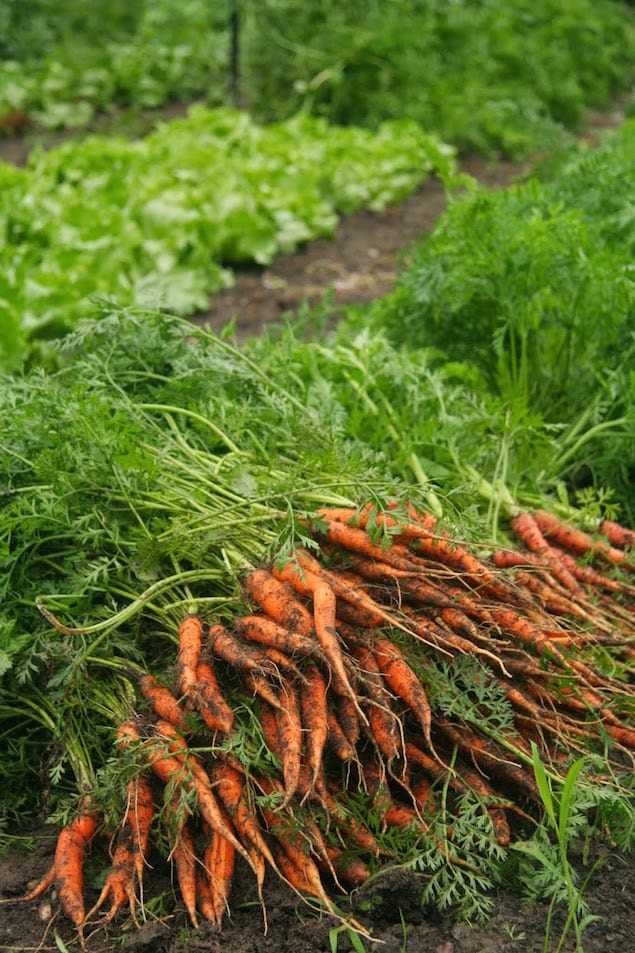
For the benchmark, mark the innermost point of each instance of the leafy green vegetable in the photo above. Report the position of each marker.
(155, 222)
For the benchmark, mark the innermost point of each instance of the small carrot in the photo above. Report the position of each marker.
(119, 884)
(259, 684)
(182, 769)
(279, 602)
(265, 631)
(232, 789)
(618, 535)
(308, 578)
(185, 863)
(348, 866)
(525, 528)
(576, 541)
(401, 679)
(290, 739)
(336, 738)
(219, 862)
(209, 700)
(313, 710)
(163, 702)
(188, 655)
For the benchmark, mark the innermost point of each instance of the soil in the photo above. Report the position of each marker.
(357, 265)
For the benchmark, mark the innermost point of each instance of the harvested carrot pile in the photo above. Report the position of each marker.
(346, 658)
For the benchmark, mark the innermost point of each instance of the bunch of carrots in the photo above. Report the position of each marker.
(333, 655)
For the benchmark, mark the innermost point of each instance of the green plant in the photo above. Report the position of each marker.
(565, 815)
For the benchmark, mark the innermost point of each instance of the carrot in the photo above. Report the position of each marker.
(181, 769)
(348, 867)
(130, 851)
(259, 684)
(265, 631)
(385, 727)
(209, 700)
(67, 870)
(232, 788)
(119, 884)
(219, 862)
(576, 541)
(525, 528)
(485, 753)
(401, 679)
(141, 811)
(290, 739)
(589, 576)
(279, 602)
(227, 647)
(205, 899)
(163, 702)
(308, 578)
(185, 862)
(313, 710)
(188, 655)
(618, 535)
(336, 738)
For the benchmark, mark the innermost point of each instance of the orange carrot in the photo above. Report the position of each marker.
(279, 602)
(209, 700)
(183, 770)
(401, 679)
(308, 578)
(290, 739)
(385, 727)
(219, 862)
(119, 884)
(185, 862)
(348, 867)
(576, 541)
(313, 709)
(188, 655)
(618, 535)
(227, 647)
(232, 789)
(163, 702)
(265, 631)
(525, 528)
(130, 852)
(70, 852)
(259, 684)
(336, 738)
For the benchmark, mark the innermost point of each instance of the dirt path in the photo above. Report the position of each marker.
(357, 265)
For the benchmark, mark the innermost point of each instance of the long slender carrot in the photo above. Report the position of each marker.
(308, 578)
(188, 655)
(401, 679)
(618, 535)
(279, 602)
(184, 857)
(163, 702)
(266, 631)
(576, 541)
(70, 853)
(242, 655)
(259, 684)
(385, 727)
(525, 528)
(313, 709)
(219, 863)
(209, 701)
(182, 769)
(290, 739)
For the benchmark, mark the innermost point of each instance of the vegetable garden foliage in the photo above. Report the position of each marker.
(159, 221)
(481, 76)
(529, 291)
(157, 466)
